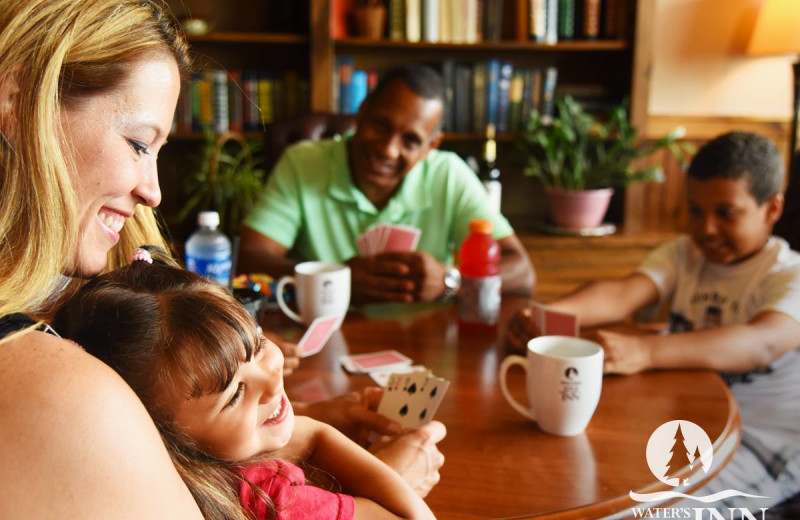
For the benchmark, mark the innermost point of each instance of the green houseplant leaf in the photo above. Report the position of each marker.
(579, 151)
(227, 177)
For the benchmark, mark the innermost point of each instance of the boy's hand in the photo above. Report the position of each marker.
(624, 353)
(521, 330)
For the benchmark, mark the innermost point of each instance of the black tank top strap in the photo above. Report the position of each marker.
(11, 323)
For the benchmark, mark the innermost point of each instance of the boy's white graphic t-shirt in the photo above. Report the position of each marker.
(705, 295)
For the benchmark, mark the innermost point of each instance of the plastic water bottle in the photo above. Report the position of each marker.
(479, 296)
(208, 251)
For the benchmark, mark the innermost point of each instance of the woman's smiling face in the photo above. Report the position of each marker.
(111, 141)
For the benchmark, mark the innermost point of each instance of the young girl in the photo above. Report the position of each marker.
(214, 386)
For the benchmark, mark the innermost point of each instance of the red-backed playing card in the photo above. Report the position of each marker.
(318, 334)
(381, 360)
(551, 322)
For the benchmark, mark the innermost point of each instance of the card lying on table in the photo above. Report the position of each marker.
(318, 333)
(550, 322)
(412, 399)
(381, 360)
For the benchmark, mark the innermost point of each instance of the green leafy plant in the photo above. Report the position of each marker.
(226, 177)
(577, 151)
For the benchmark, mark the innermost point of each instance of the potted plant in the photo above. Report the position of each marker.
(226, 177)
(580, 159)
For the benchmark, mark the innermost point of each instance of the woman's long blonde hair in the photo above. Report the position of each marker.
(54, 53)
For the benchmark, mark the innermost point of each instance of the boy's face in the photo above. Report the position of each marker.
(726, 222)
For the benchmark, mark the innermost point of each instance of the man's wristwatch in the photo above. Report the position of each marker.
(452, 282)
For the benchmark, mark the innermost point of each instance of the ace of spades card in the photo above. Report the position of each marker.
(412, 399)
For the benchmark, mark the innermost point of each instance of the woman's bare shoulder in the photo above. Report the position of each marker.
(74, 432)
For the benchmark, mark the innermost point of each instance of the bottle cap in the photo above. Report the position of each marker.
(481, 226)
(208, 218)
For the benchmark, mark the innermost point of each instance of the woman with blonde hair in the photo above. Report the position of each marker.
(87, 94)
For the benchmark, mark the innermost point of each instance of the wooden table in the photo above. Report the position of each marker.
(499, 464)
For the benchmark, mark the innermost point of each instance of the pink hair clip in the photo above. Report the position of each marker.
(142, 255)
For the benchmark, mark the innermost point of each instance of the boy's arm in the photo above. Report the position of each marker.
(730, 348)
(596, 303)
(379, 492)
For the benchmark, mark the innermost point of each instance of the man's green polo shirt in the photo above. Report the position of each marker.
(311, 206)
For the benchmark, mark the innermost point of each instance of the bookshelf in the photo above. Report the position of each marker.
(278, 36)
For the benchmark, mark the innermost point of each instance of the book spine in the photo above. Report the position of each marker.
(463, 96)
(493, 25)
(430, 20)
(523, 19)
(445, 31)
(359, 88)
(515, 116)
(340, 12)
(566, 19)
(612, 18)
(458, 29)
(397, 20)
(219, 98)
(413, 19)
(551, 24)
(591, 19)
(251, 110)
(538, 20)
(235, 101)
(504, 92)
(549, 93)
(479, 95)
(471, 22)
(266, 114)
(345, 66)
(448, 78)
(492, 91)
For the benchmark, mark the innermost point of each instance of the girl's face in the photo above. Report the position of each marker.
(253, 415)
(112, 141)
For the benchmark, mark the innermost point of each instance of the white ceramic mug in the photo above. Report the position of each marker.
(564, 376)
(321, 289)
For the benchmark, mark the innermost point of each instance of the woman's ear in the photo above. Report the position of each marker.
(9, 88)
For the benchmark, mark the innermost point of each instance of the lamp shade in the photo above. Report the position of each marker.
(777, 28)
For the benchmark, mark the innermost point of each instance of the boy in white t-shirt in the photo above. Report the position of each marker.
(735, 308)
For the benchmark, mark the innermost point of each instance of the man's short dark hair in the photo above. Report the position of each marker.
(741, 155)
(421, 79)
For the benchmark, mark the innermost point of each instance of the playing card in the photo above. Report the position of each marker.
(550, 322)
(412, 399)
(381, 360)
(318, 334)
(381, 377)
(401, 238)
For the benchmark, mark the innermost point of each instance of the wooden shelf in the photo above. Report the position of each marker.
(505, 46)
(251, 38)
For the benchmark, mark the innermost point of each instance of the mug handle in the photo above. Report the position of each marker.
(504, 366)
(281, 303)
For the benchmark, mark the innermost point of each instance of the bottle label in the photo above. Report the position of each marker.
(495, 191)
(479, 299)
(216, 269)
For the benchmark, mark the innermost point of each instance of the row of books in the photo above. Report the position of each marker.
(494, 92)
(239, 100)
(476, 94)
(473, 21)
(550, 21)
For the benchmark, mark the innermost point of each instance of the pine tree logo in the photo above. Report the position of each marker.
(675, 448)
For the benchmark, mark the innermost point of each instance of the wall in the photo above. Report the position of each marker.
(699, 68)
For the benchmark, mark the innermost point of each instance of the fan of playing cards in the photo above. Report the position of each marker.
(412, 393)
(383, 238)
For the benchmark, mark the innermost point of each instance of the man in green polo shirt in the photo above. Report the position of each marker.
(322, 195)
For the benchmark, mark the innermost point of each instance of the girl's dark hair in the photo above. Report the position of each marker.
(168, 331)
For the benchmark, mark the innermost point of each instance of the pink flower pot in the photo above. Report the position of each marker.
(578, 209)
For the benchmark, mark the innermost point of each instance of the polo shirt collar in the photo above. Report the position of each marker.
(413, 196)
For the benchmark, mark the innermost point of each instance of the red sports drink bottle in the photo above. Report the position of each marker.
(479, 296)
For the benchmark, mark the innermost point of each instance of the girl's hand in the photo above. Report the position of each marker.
(521, 330)
(624, 354)
(414, 455)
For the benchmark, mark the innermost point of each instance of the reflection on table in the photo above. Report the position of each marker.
(499, 464)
